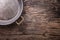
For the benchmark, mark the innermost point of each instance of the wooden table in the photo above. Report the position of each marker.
(41, 22)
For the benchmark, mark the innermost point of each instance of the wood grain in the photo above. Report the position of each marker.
(42, 22)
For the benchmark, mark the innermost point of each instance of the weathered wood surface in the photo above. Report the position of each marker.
(42, 22)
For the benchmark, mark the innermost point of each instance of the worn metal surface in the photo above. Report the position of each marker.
(42, 22)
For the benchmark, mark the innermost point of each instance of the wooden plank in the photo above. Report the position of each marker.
(40, 16)
(28, 37)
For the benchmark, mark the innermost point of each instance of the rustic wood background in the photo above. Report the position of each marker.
(42, 22)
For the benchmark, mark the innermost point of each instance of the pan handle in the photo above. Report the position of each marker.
(22, 19)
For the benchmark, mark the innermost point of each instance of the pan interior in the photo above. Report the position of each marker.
(8, 9)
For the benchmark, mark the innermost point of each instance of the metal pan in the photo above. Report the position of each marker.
(10, 21)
